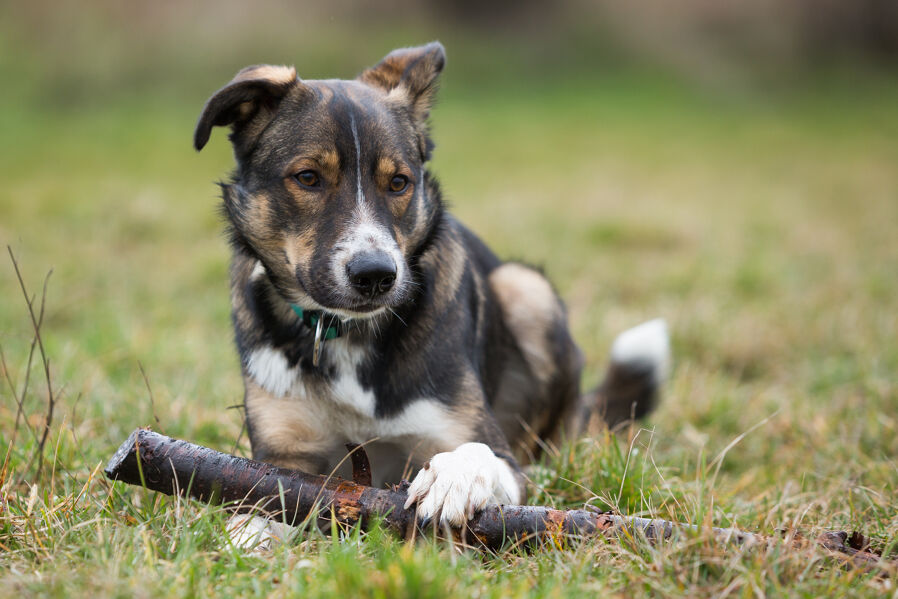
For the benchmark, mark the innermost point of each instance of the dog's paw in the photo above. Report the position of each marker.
(255, 533)
(455, 484)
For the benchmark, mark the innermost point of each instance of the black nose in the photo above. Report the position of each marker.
(371, 273)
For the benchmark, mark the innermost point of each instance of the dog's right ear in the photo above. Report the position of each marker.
(252, 95)
(414, 71)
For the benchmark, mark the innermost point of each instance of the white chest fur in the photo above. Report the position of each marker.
(344, 407)
(270, 369)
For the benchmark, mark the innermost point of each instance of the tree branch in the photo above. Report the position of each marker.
(171, 466)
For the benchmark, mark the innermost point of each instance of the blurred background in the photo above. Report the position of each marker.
(732, 167)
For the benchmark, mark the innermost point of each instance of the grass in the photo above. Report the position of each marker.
(761, 227)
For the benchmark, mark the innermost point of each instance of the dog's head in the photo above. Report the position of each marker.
(329, 192)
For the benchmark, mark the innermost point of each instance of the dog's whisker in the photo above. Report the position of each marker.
(393, 312)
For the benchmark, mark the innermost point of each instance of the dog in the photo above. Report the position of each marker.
(364, 312)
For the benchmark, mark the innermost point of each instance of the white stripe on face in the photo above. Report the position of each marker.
(364, 233)
(359, 197)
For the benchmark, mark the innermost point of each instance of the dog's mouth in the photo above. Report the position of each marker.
(340, 301)
(363, 309)
(362, 312)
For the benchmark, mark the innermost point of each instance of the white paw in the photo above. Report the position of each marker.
(255, 533)
(455, 484)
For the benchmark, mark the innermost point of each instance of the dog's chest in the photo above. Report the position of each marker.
(271, 370)
(340, 404)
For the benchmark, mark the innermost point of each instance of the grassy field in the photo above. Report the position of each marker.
(762, 226)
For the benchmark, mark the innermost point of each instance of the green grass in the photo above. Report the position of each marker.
(761, 227)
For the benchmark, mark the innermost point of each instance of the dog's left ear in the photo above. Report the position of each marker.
(412, 71)
(251, 95)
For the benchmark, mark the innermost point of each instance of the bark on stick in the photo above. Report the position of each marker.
(175, 467)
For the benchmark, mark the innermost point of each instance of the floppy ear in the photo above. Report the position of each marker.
(253, 92)
(412, 71)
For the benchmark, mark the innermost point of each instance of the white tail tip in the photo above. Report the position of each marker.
(645, 344)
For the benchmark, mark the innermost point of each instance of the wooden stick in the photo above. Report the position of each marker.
(177, 467)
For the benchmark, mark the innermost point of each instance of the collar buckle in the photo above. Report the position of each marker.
(319, 343)
(314, 319)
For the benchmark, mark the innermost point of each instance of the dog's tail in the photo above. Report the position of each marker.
(640, 363)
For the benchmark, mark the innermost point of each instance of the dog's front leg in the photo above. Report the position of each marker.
(453, 485)
(282, 433)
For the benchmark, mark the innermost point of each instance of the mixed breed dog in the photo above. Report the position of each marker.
(365, 313)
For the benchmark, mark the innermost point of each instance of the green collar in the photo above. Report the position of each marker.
(311, 317)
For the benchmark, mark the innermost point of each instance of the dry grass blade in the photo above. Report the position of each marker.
(36, 322)
(146, 381)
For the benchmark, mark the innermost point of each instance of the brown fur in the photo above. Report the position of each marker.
(461, 349)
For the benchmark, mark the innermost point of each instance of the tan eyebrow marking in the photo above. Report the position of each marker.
(386, 166)
(327, 160)
(330, 160)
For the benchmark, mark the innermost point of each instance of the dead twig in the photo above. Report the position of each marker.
(19, 399)
(242, 426)
(36, 322)
(361, 466)
(171, 466)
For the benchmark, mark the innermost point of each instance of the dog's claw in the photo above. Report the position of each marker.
(420, 486)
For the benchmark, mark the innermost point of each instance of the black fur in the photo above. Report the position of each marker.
(498, 358)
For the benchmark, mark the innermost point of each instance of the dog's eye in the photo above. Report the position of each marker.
(307, 178)
(398, 183)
